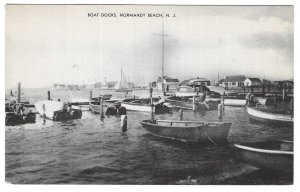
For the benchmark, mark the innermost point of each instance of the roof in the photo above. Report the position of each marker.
(171, 80)
(254, 79)
(235, 78)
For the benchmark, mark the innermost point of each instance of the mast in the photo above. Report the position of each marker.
(121, 81)
(162, 54)
(162, 57)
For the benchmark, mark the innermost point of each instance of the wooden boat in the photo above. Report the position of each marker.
(270, 115)
(187, 91)
(271, 155)
(18, 113)
(58, 111)
(235, 102)
(145, 106)
(95, 105)
(187, 103)
(192, 131)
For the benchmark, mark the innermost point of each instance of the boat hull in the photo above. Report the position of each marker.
(274, 160)
(95, 108)
(235, 102)
(158, 108)
(204, 133)
(263, 116)
(207, 105)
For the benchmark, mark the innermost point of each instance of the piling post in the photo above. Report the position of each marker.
(220, 111)
(180, 115)
(91, 95)
(283, 94)
(292, 103)
(124, 122)
(101, 108)
(49, 98)
(19, 93)
(151, 100)
(275, 100)
(194, 103)
(44, 111)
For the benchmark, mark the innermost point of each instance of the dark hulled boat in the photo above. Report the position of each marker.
(18, 113)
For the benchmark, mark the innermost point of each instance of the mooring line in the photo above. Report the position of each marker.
(210, 138)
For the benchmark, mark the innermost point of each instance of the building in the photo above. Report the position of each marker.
(233, 81)
(170, 84)
(59, 86)
(252, 82)
(266, 82)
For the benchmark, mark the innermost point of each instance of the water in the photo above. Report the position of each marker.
(91, 151)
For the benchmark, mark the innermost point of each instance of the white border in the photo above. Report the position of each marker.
(45, 188)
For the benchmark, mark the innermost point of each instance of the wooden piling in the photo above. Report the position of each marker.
(220, 111)
(91, 95)
(180, 115)
(194, 103)
(101, 108)
(49, 98)
(44, 111)
(283, 95)
(275, 100)
(124, 122)
(151, 100)
(292, 103)
(19, 93)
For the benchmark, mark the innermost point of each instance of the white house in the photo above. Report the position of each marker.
(232, 81)
(252, 82)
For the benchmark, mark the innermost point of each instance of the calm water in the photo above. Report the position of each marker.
(91, 151)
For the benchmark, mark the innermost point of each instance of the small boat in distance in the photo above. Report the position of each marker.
(122, 85)
(272, 115)
(191, 131)
(272, 155)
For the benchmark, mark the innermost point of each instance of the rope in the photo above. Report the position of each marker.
(209, 138)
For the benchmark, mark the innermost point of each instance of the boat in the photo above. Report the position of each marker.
(190, 131)
(235, 102)
(122, 85)
(272, 115)
(144, 105)
(187, 91)
(18, 113)
(58, 111)
(187, 103)
(274, 155)
(95, 105)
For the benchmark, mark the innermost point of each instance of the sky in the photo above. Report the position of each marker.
(47, 44)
